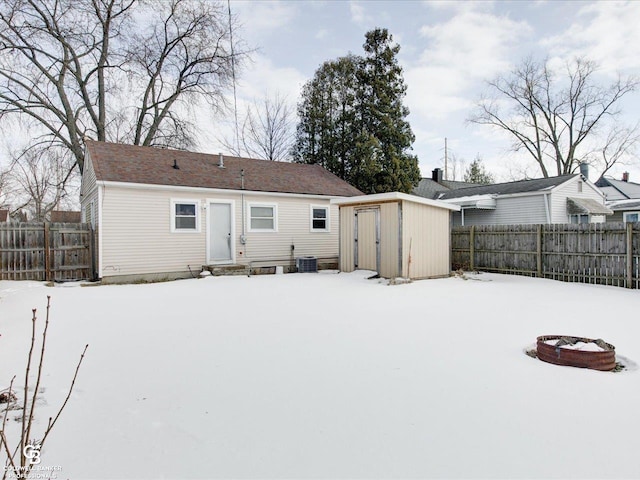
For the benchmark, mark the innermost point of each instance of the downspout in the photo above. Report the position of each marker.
(462, 216)
(546, 199)
(243, 238)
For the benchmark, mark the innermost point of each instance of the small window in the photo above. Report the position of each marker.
(184, 215)
(263, 218)
(579, 218)
(631, 217)
(319, 219)
(579, 187)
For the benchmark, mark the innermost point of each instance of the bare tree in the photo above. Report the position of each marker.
(40, 177)
(556, 120)
(267, 130)
(115, 70)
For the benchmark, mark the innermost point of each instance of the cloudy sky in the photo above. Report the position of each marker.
(448, 50)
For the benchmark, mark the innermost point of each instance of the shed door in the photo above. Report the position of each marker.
(367, 239)
(220, 233)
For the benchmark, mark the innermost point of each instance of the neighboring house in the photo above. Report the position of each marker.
(64, 216)
(563, 199)
(432, 187)
(4, 215)
(623, 197)
(164, 213)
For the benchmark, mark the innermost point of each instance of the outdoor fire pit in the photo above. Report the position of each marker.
(576, 352)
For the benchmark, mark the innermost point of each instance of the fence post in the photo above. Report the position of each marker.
(472, 252)
(629, 255)
(539, 251)
(47, 253)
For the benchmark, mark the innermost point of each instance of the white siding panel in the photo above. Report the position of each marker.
(137, 237)
(528, 209)
(88, 181)
(570, 189)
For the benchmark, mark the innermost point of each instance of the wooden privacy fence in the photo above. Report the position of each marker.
(603, 253)
(47, 251)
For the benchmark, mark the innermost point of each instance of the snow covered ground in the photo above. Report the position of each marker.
(330, 375)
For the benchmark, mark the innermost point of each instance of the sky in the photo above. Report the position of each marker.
(448, 52)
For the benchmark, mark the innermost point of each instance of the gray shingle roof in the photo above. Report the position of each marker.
(429, 188)
(627, 189)
(149, 165)
(521, 186)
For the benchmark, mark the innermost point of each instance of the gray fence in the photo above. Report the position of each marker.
(47, 251)
(603, 253)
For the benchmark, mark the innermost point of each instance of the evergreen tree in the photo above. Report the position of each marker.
(353, 121)
(477, 173)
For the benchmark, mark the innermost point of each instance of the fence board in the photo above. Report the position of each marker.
(604, 253)
(47, 251)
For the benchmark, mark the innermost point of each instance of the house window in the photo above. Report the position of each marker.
(584, 218)
(631, 217)
(319, 218)
(184, 216)
(579, 187)
(263, 217)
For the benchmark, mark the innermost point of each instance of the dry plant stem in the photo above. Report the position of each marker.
(64, 404)
(23, 432)
(3, 439)
(39, 375)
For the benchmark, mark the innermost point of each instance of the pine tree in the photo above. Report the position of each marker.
(477, 173)
(353, 121)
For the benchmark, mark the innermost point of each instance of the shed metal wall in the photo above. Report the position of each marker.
(406, 228)
(426, 239)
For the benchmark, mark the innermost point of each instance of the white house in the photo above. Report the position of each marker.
(563, 199)
(162, 213)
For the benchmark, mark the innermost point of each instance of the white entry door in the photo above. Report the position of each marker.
(220, 242)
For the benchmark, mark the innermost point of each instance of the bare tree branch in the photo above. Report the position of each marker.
(554, 118)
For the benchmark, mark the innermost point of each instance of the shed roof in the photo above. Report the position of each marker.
(521, 186)
(393, 196)
(149, 165)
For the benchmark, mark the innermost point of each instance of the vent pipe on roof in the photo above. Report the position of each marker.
(221, 160)
(175, 164)
(625, 177)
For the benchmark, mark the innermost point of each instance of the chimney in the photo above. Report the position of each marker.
(436, 175)
(221, 160)
(625, 177)
(584, 170)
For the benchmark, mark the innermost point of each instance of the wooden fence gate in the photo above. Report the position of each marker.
(604, 253)
(47, 251)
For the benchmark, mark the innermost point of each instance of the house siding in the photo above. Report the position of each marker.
(140, 240)
(570, 189)
(425, 241)
(508, 211)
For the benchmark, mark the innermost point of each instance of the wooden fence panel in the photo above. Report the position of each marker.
(602, 253)
(47, 251)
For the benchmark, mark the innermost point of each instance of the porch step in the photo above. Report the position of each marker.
(219, 270)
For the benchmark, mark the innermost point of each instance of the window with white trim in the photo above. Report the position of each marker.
(319, 218)
(582, 218)
(631, 217)
(184, 216)
(263, 217)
